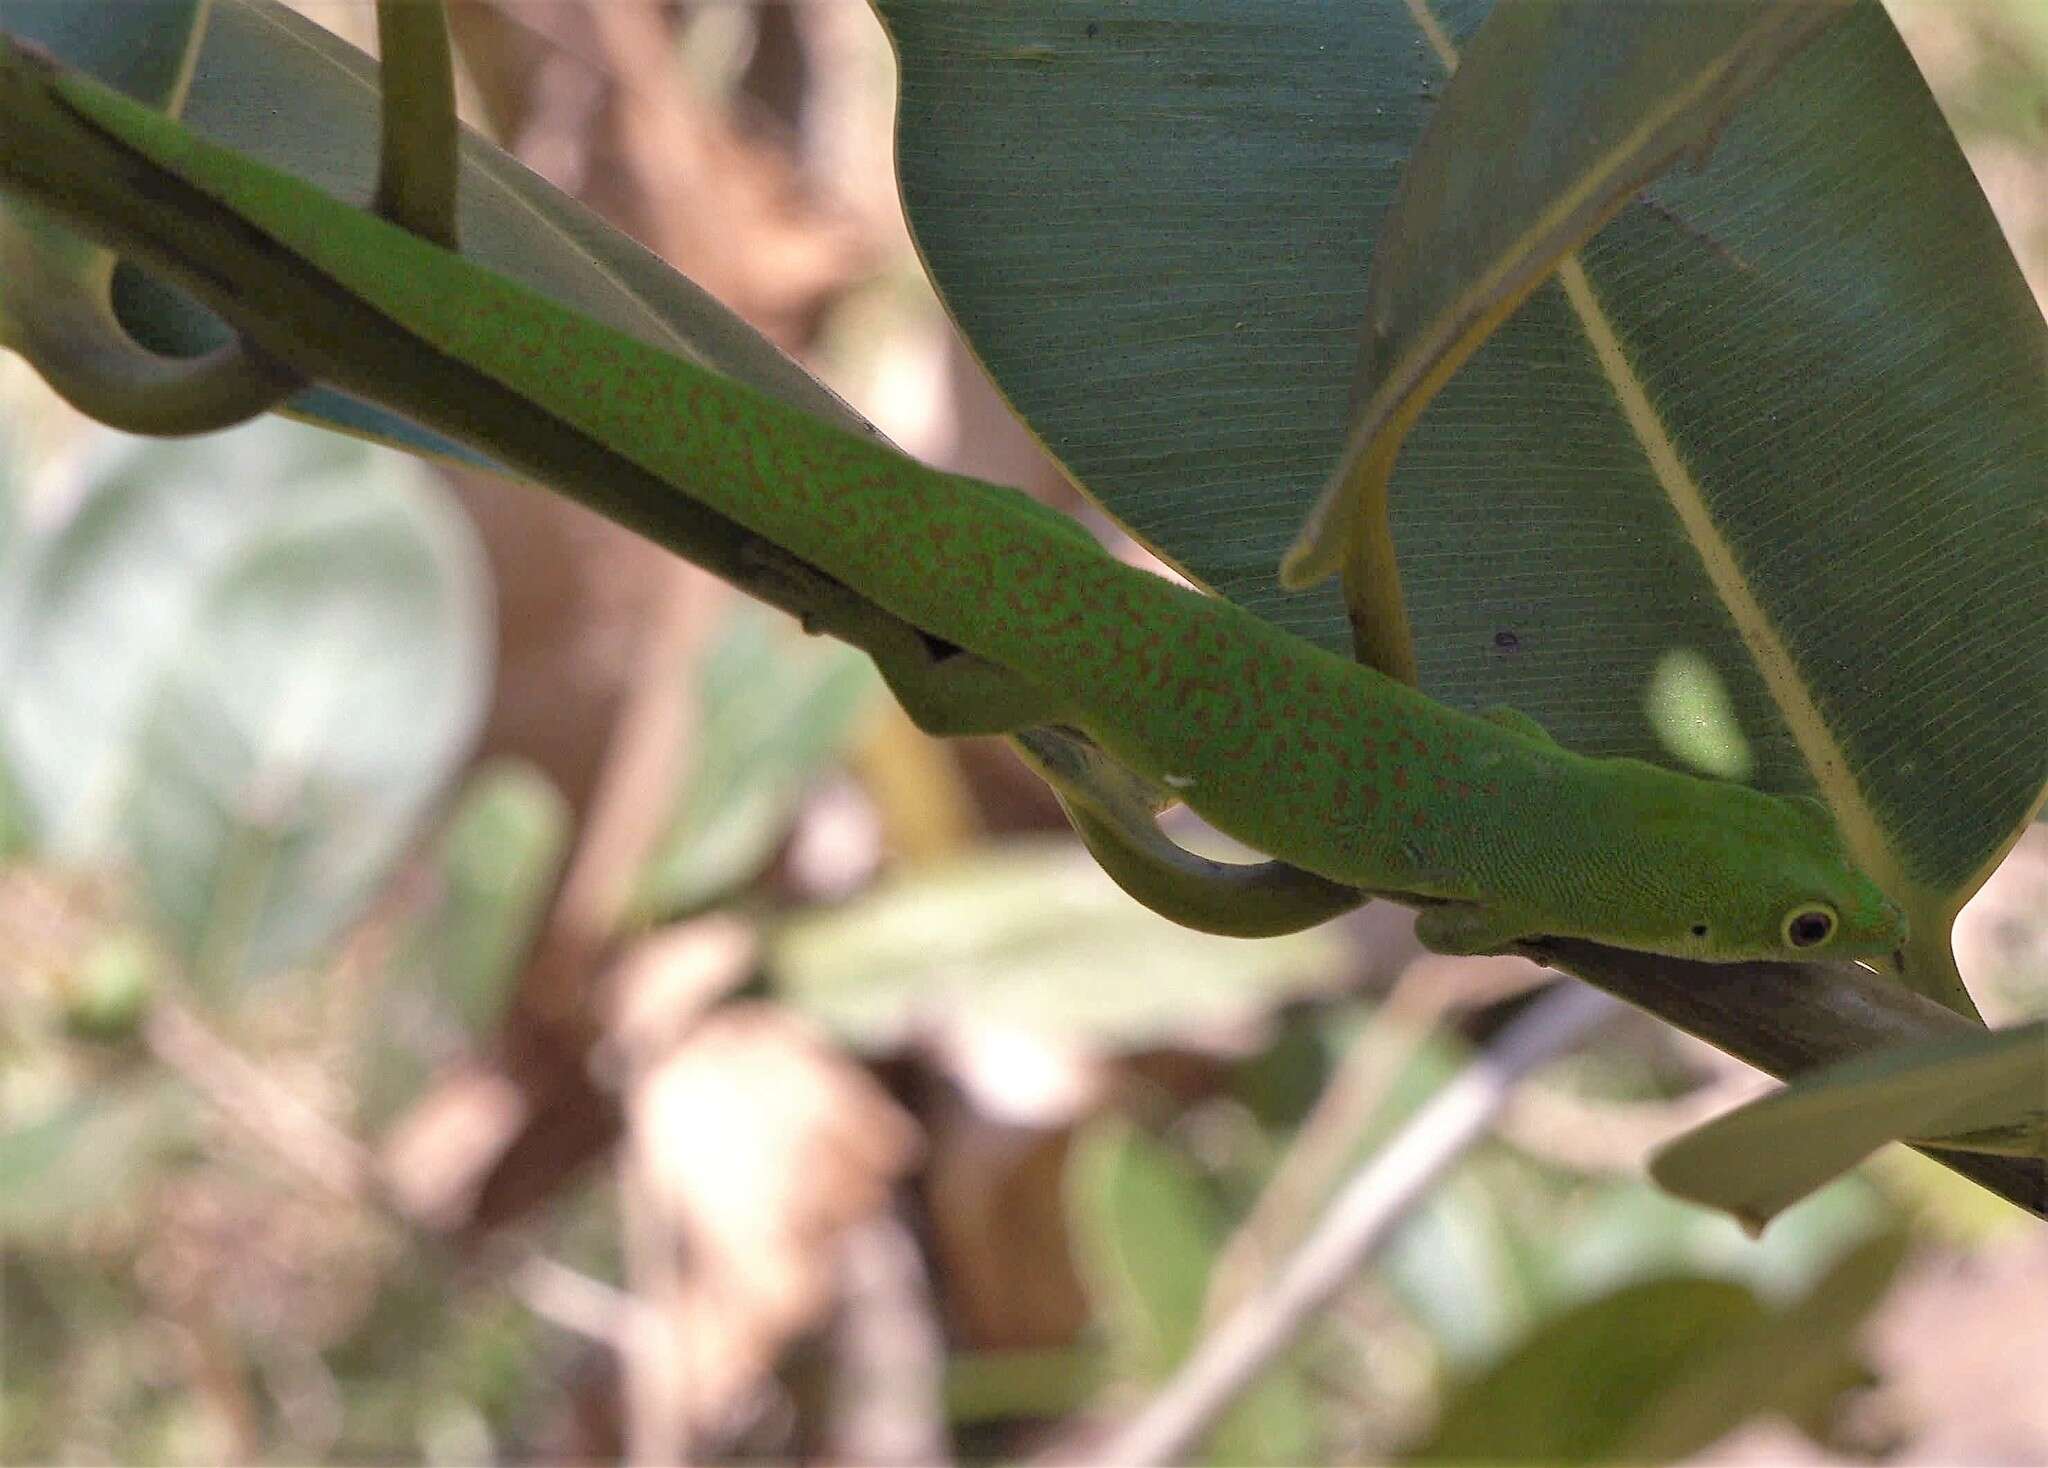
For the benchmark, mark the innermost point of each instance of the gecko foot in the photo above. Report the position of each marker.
(1470, 928)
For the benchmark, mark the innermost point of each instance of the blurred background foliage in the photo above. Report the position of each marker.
(472, 989)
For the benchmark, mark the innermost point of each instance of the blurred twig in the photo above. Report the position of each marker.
(576, 1302)
(658, 996)
(1357, 1223)
(220, 1378)
(634, 1327)
(888, 1403)
(241, 1090)
(648, 747)
(1316, 1157)
(730, 211)
(654, 1357)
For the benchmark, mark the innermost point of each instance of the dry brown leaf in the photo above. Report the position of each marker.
(438, 1156)
(668, 980)
(999, 1230)
(757, 1144)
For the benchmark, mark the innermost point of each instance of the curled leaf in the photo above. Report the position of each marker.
(1986, 1091)
(1597, 99)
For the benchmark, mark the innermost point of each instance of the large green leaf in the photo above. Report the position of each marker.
(1661, 1369)
(274, 85)
(1791, 430)
(1988, 1091)
(1032, 937)
(497, 861)
(1624, 1353)
(446, 992)
(142, 48)
(1147, 1231)
(1598, 99)
(1153, 221)
(1629, 1231)
(245, 665)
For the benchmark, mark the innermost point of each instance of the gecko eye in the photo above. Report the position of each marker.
(1809, 927)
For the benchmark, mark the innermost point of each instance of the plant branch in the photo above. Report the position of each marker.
(1784, 1019)
(1326, 1142)
(421, 163)
(242, 1091)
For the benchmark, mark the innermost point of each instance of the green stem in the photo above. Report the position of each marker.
(421, 165)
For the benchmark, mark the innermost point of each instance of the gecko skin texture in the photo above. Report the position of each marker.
(1323, 763)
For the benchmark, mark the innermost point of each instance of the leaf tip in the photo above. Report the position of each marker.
(1318, 550)
(1306, 563)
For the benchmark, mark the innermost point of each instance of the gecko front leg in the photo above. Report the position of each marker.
(948, 692)
(1465, 929)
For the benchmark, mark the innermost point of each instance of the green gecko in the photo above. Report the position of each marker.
(1336, 769)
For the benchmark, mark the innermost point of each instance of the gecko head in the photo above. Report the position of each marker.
(1729, 874)
(1790, 889)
